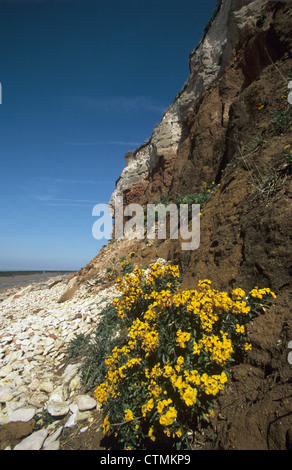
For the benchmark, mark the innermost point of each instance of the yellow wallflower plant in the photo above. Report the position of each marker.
(176, 357)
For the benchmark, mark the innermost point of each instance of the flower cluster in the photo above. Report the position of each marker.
(129, 415)
(263, 103)
(142, 333)
(219, 350)
(284, 99)
(176, 358)
(148, 284)
(125, 263)
(112, 275)
(197, 198)
(261, 293)
(182, 338)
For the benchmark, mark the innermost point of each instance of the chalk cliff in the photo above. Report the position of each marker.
(233, 20)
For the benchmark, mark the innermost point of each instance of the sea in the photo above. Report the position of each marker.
(14, 278)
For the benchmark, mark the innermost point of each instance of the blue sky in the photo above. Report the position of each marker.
(83, 82)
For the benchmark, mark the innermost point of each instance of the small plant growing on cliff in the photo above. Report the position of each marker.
(287, 151)
(112, 274)
(168, 373)
(126, 264)
(282, 120)
(263, 103)
(77, 345)
(282, 117)
(198, 198)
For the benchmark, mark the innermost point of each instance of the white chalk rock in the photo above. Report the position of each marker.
(33, 442)
(85, 402)
(22, 414)
(57, 408)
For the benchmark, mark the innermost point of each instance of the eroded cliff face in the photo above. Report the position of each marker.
(214, 132)
(235, 20)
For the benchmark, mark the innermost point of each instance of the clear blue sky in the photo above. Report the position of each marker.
(83, 82)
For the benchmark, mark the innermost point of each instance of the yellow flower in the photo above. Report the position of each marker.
(101, 394)
(220, 350)
(162, 404)
(168, 370)
(212, 385)
(167, 432)
(150, 434)
(192, 377)
(154, 389)
(239, 328)
(147, 407)
(197, 348)
(121, 372)
(182, 338)
(180, 361)
(106, 425)
(190, 396)
(259, 293)
(256, 293)
(198, 314)
(238, 294)
(129, 415)
(211, 414)
(205, 284)
(169, 417)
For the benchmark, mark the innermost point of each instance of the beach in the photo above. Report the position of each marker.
(35, 374)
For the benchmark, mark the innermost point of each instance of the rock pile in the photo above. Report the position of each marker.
(34, 376)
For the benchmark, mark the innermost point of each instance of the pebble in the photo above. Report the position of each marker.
(34, 336)
(53, 437)
(22, 414)
(85, 402)
(53, 446)
(5, 371)
(6, 394)
(47, 387)
(58, 408)
(33, 442)
(72, 421)
(83, 429)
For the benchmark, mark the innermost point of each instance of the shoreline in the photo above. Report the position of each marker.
(11, 281)
(25, 278)
(13, 284)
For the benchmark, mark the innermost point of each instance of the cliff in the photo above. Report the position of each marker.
(234, 22)
(230, 125)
